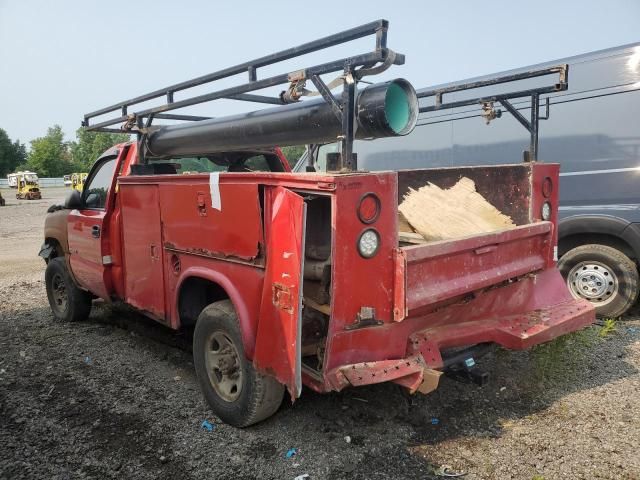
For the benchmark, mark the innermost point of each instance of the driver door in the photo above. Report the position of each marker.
(88, 242)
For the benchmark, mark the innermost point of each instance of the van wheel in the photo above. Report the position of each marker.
(68, 302)
(603, 275)
(236, 392)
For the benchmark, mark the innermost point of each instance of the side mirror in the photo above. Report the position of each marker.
(93, 200)
(73, 200)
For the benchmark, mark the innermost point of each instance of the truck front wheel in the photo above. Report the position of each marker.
(603, 275)
(67, 301)
(236, 392)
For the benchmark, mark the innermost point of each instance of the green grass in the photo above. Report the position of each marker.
(564, 356)
(608, 327)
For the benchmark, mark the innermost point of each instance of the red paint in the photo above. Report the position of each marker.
(485, 261)
(143, 252)
(500, 287)
(277, 350)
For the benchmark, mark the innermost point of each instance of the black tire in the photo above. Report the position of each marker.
(610, 268)
(256, 396)
(68, 302)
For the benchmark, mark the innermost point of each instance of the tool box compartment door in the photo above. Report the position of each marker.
(278, 338)
(143, 253)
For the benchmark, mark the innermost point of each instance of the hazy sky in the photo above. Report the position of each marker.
(60, 59)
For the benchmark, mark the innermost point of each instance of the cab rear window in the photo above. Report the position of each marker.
(223, 162)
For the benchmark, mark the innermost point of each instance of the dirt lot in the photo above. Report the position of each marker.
(116, 397)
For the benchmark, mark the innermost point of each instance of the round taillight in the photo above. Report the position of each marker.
(547, 187)
(368, 243)
(369, 208)
(545, 211)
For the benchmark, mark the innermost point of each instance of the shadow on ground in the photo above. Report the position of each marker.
(117, 348)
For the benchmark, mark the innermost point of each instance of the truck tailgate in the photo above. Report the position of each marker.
(429, 274)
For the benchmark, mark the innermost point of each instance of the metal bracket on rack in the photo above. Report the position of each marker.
(486, 102)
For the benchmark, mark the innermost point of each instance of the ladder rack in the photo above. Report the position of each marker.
(487, 102)
(352, 70)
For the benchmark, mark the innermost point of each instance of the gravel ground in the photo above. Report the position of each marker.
(116, 397)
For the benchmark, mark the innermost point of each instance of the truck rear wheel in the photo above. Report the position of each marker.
(236, 392)
(67, 301)
(603, 275)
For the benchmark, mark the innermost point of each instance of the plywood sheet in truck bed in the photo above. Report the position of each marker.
(459, 211)
(506, 187)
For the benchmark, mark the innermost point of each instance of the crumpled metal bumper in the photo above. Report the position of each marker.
(420, 370)
(515, 332)
(411, 372)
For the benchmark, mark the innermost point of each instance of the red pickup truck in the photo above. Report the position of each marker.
(301, 278)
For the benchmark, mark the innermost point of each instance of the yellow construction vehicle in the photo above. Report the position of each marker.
(77, 181)
(28, 186)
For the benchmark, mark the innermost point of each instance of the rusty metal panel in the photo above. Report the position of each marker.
(447, 269)
(517, 331)
(278, 342)
(368, 373)
(400, 285)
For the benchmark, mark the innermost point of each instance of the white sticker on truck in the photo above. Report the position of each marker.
(214, 188)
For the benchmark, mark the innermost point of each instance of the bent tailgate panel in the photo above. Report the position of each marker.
(447, 269)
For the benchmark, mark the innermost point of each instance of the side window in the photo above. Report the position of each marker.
(96, 189)
(257, 163)
(321, 159)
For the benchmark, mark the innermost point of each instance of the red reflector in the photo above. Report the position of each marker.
(369, 208)
(547, 187)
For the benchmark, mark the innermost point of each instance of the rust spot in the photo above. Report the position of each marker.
(201, 252)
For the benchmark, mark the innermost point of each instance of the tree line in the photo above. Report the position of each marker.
(52, 156)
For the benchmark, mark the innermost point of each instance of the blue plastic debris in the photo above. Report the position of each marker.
(435, 421)
(470, 362)
(207, 426)
(88, 360)
(291, 452)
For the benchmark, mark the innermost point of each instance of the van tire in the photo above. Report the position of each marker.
(68, 302)
(254, 396)
(608, 265)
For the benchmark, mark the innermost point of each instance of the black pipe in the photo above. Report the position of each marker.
(382, 110)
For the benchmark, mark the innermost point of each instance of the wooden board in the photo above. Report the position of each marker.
(459, 211)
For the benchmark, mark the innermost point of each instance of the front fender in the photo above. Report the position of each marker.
(55, 229)
(601, 224)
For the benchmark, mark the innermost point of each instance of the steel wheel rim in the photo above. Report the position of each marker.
(593, 281)
(223, 366)
(59, 292)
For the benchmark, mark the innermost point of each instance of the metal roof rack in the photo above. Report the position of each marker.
(353, 69)
(487, 102)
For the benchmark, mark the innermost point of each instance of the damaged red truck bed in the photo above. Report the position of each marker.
(311, 268)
